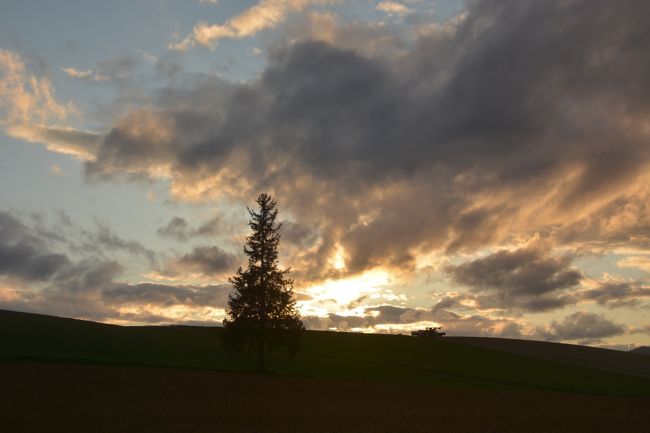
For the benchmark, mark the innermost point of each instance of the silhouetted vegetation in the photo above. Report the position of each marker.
(262, 312)
(428, 332)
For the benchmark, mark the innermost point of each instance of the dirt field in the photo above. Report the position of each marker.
(74, 398)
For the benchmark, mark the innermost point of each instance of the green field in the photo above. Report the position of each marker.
(359, 357)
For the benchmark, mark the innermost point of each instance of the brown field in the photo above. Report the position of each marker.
(40, 397)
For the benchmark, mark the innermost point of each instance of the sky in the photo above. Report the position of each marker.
(476, 165)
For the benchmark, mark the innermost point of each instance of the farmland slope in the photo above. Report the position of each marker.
(373, 358)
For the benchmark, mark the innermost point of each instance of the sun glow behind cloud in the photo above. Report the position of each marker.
(338, 261)
(344, 295)
(170, 314)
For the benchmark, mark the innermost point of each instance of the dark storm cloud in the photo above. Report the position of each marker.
(519, 272)
(519, 117)
(24, 255)
(178, 228)
(527, 278)
(205, 260)
(27, 262)
(298, 235)
(210, 260)
(583, 326)
(617, 293)
(215, 296)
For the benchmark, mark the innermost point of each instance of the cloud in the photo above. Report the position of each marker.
(368, 39)
(623, 223)
(638, 262)
(527, 278)
(164, 295)
(113, 68)
(585, 327)
(85, 75)
(56, 170)
(178, 228)
(117, 68)
(85, 277)
(434, 147)
(74, 291)
(29, 110)
(392, 8)
(514, 121)
(37, 277)
(24, 97)
(391, 318)
(30, 253)
(614, 293)
(104, 239)
(299, 235)
(76, 73)
(25, 256)
(209, 261)
(264, 15)
(78, 143)
(43, 279)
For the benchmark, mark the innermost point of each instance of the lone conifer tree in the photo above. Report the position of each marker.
(262, 312)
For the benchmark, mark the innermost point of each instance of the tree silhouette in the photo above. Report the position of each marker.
(262, 312)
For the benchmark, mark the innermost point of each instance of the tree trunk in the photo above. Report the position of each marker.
(261, 367)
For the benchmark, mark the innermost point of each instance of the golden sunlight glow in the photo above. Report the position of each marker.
(469, 303)
(394, 328)
(346, 290)
(171, 314)
(341, 296)
(8, 294)
(338, 261)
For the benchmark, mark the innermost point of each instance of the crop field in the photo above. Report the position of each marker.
(93, 398)
(68, 375)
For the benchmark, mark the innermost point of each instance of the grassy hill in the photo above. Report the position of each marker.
(643, 350)
(633, 362)
(373, 358)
